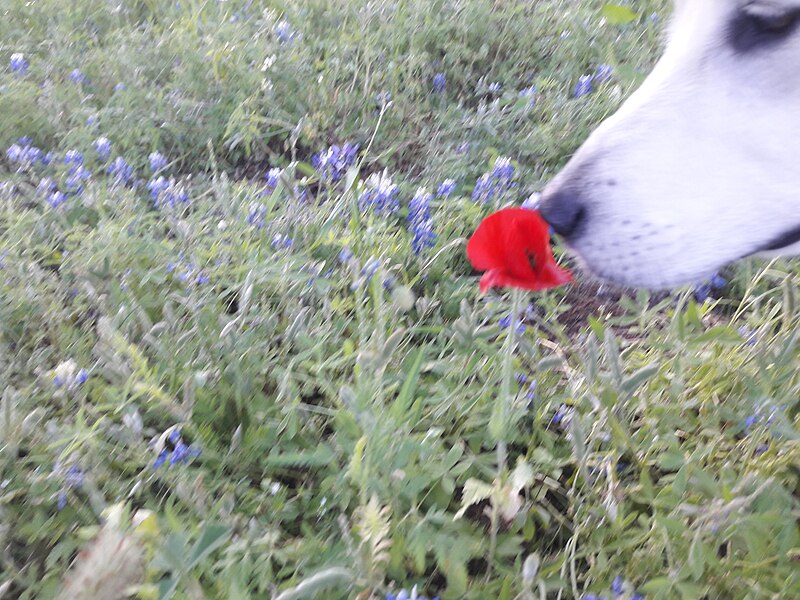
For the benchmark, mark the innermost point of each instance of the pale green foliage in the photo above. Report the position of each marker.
(344, 427)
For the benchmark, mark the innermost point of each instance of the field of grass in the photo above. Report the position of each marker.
(242, 353)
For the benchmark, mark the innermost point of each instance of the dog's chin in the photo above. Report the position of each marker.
(639, 272)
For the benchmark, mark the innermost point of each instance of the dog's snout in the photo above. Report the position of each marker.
(564, 211)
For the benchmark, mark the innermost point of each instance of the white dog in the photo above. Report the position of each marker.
(701, 166)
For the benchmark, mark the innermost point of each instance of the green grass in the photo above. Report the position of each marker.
(348, 429)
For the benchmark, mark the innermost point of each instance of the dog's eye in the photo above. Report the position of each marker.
(753, 30)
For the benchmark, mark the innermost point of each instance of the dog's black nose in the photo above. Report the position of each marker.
(563, 210)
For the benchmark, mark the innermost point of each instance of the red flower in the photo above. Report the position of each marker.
(513, 247)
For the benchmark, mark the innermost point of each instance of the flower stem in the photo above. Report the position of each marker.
(500, 422)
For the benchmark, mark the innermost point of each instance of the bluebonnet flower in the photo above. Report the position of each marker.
(584, 86)
(14, 153)
(530, 395)
(282, 242)
(603, 73)
(494, 88)
(46, 186)
(618, 586)
(446, 188)
(76, 178)
(82, 377)
(439, 83)
(120, 87)
(76, 76)
(273, 178)
(505, 322)
(73, 158)
(529, 94)
(121, 171)
(383, 99)
(56, 199)
(563, 415)
(763, 413)
(172, 447)
(332, 163)
(300, 193)
(102, 146)
(32, 154)
(702, 291)
(192, 276)
(750, 336)
(405, 595)
(25, 154)
(521, 378)
(91, 120)
(718, 281)
(372, 265)
(256, 215)
(533, 201)
(72, 478)
(494, 185)
(157, 161)
(68, 376)
(380, 194)
(419, 221)
(283, 31)
(419, 208)
(367, 272)
(345, 255)
(161, 458)
(167, 193)
(19, 64)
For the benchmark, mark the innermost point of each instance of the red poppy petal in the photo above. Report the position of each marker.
(483, 250)
(512, 246)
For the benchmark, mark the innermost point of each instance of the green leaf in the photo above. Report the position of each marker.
(213, 537)
(697, 556)
(167, 587)
(617, 14)
(657, 585)
(613, 356)
(634, 380)
(549, 362)
(474, 491)
(401, 405)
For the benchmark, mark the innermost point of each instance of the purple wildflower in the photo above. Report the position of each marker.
(446, 188)
(157, 161)
(584, 86)
(331, 164)
(121, 171)
(495, 185)
(256, 215)
(19, 64)
(102, 146)
(273, 178)
(380, 195)
(603, 73)
(77, 76)
(419, 221)
(439, 83)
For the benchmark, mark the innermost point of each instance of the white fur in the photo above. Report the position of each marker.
(704, 158)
